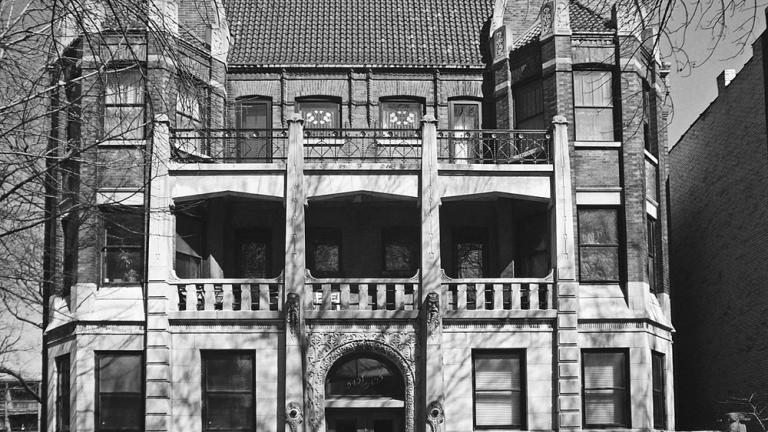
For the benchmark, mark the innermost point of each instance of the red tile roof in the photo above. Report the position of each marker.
(358, 32)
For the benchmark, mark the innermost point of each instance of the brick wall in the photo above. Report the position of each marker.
(719, 250)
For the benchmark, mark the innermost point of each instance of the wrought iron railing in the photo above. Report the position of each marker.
(229, 145)
(494, 146)
(362, 145)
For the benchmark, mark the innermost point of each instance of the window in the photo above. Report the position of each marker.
(401, 251)
(190, 104)
(401, 114)
(648, 135)
(253, 117)
(190, 234)
(465, 114)
(324, 252)
(606, 396)
(529, 106)
(122, 257)
(651, 179)
(62, 393)
(320, 113)
(254, 253)
(659, 400)
(464, 146)
(598, 244)
(593, 105)
(470, 250)
(359, 375)
(124, 104)
(498, 390)
(653, 253)
(228, 382)
(120, 403)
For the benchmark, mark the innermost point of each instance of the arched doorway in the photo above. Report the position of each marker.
(364, 392)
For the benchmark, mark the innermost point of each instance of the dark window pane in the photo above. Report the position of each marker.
(119, 411)
(254, 115)
(253, 259)
(470, 260)
(62, 393)
(659, 411)
(123, 229)
(119, 373)
(229, 372)
(229, 412)
(401, 256)
(123, 265)
(529, 106)
(401, 115)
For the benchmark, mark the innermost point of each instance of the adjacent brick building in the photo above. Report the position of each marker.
(356, 215)
(718, 180)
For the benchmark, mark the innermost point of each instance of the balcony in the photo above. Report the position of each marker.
(482, 146)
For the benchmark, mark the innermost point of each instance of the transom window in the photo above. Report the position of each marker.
(124, 104)
(320, 113)
(401, 114)
(122, 255)
(606, 396)
(498, 390)
(593, 105)
(120, 403)
(598, 244)
(362, 375)
(228, 397)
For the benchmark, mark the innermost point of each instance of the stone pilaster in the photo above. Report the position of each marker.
(160, 263)
(568, 367)
(295, 273)
(430, 314)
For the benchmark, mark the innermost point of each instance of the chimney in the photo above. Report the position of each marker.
(724, 79)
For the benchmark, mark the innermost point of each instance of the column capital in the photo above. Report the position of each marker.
(428, 119)
(296, 118)
(559, 120)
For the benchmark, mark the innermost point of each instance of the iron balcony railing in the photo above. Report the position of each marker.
(482, 146)
(229, 145)
(362, 145)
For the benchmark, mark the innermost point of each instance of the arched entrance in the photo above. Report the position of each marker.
(364, 392)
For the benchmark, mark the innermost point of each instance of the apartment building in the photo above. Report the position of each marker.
(19, 411)
(358, 216)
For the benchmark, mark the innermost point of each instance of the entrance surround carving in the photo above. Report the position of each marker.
(324, 349)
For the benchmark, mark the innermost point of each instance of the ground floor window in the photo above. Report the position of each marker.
(119, 401)
(228, 398)
(62, 393)
(498, 389)
(659, 399)
(605, 388)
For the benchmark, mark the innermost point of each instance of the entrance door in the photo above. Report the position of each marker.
(364, 420)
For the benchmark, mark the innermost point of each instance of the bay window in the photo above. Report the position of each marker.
(599, 244)
(122, 250)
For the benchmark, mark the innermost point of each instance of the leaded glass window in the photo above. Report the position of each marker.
(403, 114)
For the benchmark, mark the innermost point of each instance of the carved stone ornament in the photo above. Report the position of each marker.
(546, 20)
(433, 311)
(499, 43)
(324, 349)
(562, 17)
(435, 415)
(294, 416)
(292, 306)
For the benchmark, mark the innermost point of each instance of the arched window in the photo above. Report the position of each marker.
(364, 375)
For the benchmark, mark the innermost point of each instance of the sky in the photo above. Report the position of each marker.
(693, 89)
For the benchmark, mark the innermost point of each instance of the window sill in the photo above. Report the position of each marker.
(123, 143)
(597, 144)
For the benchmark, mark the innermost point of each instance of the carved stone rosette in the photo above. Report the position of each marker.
(294, 415)
(324, 349)
(435, 415)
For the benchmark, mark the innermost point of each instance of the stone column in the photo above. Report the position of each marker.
(295, 273)
(430, 322)
(160, 262)
(568, 391)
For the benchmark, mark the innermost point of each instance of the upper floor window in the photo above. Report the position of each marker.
(320, 113)
(62, 393)
(529, 106)
(648, 136)
(324, 252)
(123, 98)
(593, 105)
(252, 116)
(498, 390)
(228, 396)
(464, 114)
(653, 253)
(190, 106)
(401, 251)
(119, 402)
(598, 244)
(401, 114)
(470, 246)
(122, 257)
(605, 388)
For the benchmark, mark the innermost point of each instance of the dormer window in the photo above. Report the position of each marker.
(401, 114)
(320, 113)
